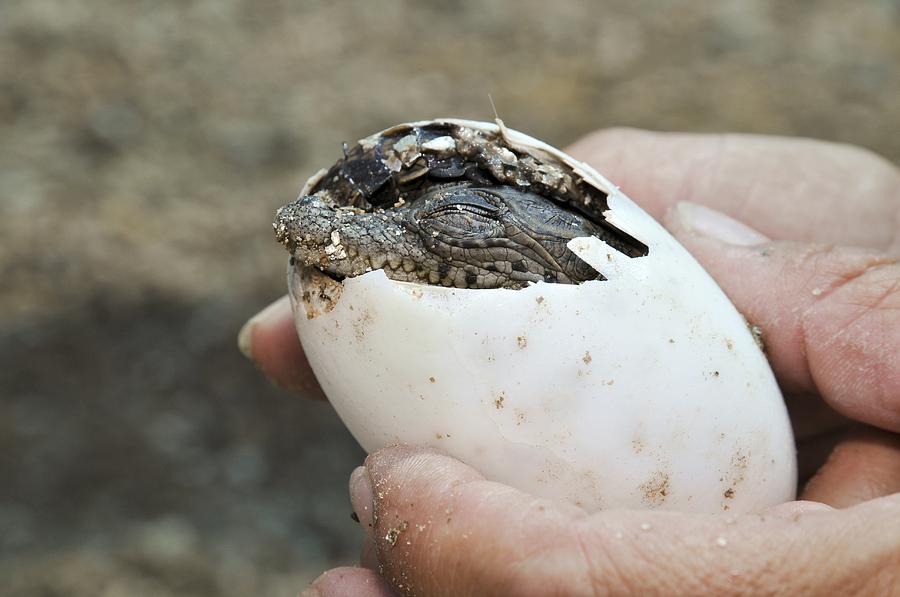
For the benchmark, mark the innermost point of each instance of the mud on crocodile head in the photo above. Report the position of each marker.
(449, 205)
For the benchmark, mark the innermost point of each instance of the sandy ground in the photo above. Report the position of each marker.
(143, 149)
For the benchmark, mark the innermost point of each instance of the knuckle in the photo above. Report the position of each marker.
(852, 332)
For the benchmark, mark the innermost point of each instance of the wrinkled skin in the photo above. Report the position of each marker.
(458, 234)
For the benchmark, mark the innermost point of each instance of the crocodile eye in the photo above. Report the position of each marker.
(461, 219)
(462, 212)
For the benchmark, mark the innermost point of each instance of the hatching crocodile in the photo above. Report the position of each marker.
(447, 205)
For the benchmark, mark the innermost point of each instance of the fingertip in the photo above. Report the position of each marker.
(415, 461)
(406, 481)
(397, 452)
(269, 339)
(266, 319)
(348, 582)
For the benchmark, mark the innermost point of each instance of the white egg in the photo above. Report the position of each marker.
(644, 390)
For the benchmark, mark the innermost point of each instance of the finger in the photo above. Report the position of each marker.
(796, 189)
(830, 316)
(433, 522)
(863, 467)
(348, 582)
(270, 340)
(442, 530)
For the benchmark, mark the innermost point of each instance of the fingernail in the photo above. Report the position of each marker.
(794, 509)
(362, 499)
(699, 219)
(245, 336)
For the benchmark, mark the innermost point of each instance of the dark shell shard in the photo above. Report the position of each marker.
(401, 163)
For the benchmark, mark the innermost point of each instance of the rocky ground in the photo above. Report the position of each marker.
(143, 149)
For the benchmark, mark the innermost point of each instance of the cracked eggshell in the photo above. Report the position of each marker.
(646, 390)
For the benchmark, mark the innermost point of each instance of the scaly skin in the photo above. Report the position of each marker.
(457, 234)
(445, 203)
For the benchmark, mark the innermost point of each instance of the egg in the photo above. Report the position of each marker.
(643, 388)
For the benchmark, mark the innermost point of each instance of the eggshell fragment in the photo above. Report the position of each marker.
(645, 390)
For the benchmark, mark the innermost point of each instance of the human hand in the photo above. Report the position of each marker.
(831, 318)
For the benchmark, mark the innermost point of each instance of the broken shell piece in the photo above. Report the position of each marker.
(440, 145)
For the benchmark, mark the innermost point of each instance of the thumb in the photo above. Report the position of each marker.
(440, 529)
(830, 315)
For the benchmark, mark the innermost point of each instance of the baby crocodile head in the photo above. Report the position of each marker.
(446, 206)
(458, 234)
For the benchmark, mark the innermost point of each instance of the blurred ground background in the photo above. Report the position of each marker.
(144, 146)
